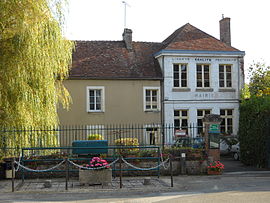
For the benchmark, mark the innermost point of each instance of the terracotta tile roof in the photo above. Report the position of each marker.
(111, 60)
(189, 37)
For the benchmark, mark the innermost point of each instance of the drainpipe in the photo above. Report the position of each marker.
(162, 105)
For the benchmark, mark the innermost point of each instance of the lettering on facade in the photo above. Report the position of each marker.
(203, 59)
(181, 59)
(204, 95)
(225, 60)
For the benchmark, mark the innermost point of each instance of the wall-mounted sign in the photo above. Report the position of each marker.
(180, 133)
(214, 128)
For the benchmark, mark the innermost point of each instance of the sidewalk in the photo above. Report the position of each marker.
(59, 185)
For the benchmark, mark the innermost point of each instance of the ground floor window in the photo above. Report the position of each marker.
(227, 121)
(181, 119)
(152, 137)
(200, 115)
(95, 130)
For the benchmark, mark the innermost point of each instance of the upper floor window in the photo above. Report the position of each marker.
(151, 98)
(95, 99)
(203, 75)
(226, 125)
(225, 76)
(180, 75)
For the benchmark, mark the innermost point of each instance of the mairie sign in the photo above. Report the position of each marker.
(214, 128)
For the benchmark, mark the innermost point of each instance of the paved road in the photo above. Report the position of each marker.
(233, 166)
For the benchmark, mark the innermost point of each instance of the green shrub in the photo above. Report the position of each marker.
(127, 142)
(147, 153)
(191, 154)
(254, 126)
(95, 137)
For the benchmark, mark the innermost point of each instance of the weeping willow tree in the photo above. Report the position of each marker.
(34, 61)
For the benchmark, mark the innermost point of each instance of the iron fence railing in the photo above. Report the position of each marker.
(13, 139)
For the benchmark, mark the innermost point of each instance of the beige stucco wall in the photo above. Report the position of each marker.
(123, 103)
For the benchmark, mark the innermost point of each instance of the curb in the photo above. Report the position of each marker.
(247, 173)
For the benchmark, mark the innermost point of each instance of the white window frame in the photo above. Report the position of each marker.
(201, 117)
(95, 129)
(156, 134)
(226, 117)
(181, 117)
(102, 88)
(203, 79)
(224, 75)
(144, 98)
(180, 75)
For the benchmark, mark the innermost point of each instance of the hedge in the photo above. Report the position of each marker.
(254, 125)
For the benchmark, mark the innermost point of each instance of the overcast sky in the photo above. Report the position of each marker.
(154, 20)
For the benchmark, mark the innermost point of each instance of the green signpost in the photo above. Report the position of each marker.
(214, 128)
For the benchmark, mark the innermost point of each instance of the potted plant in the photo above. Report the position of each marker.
(215, 168)
(125, 143)
(96, 172)
(95, 137)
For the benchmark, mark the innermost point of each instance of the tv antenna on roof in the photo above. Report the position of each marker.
(125, 13)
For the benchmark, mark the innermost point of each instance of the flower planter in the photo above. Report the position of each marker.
(95, 177)
(210, 172)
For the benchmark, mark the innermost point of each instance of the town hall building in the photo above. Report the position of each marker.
(202, 75)
(176, 82)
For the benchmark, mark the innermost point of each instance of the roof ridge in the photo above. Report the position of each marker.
(116, 41)
(97, 40)
(172, 36)
(189, 28)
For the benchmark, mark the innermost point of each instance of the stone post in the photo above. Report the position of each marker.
(212, 136)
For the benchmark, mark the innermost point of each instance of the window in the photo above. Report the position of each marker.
(180, 75)
(152, 135)
(95, 99)
(181, 119)
(95, 129)
(200, 114)
(203, 79)
(225, 76)
(151, 98)
(227, 121)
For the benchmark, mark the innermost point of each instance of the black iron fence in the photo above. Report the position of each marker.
(14, 138)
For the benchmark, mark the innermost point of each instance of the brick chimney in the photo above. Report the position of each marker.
(127, 38)
(225, 30)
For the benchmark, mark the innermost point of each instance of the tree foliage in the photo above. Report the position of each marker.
(259, 79)
(34, 60)
(254, 117)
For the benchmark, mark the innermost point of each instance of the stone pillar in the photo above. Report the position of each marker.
(212, 136)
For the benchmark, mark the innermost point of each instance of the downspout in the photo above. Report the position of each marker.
(162, 106)
(162, 98)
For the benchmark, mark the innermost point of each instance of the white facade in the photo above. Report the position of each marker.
(193, 98)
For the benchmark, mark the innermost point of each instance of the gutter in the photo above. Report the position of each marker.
(202, 53)
(108, 78)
